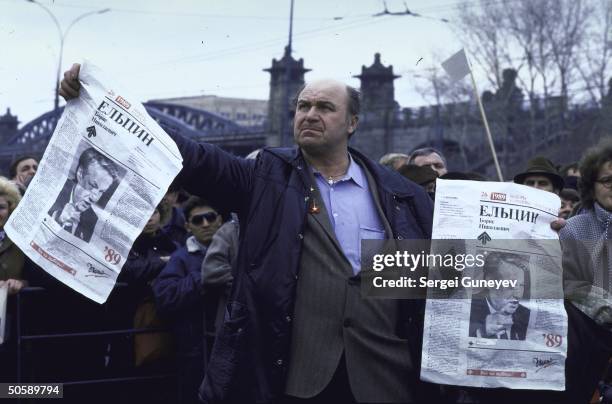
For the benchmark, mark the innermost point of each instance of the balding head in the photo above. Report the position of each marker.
(353, 95)
(326, 115)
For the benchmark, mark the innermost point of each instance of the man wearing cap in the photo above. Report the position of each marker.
(428, 156)
(541, 174)
(425, 176)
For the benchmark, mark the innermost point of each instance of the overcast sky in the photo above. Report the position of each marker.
(161, 49)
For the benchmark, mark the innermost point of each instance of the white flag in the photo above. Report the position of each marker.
(456, 66)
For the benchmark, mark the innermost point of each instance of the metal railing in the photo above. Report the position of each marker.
(25, 340)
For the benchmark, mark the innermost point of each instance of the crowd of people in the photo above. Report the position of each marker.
(262, 256)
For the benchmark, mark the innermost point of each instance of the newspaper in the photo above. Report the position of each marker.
(3, 298)
(484, 334)
(107, 166)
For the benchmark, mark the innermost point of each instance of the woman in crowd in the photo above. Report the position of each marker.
(11, 271)
(149, 254)
(587, 262)
(11, 258)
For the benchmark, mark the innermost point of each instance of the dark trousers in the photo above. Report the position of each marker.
(337, 391)
(589, 350)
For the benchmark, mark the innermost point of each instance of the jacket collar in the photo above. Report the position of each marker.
(387, 179)
(602, 215)
(194, 246)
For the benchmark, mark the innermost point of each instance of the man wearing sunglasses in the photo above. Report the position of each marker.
(297, 327)
(178, 296)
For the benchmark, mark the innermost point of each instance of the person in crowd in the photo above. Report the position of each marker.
(22, 170)
(150, 252)
(217, 276)
(218, 265)
(176, 228)
(571, 175)
(587, 262)
(542, 174)
(569, 200)
(11, 258)
(73, 209)
(425, 176)
(394, 160)
(178, 294)
(428, 156)
(12, 276)
(498, 313)
(571, 170)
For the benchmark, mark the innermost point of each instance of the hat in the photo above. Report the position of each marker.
(469, 176)
(541, 166)
(570, 194)
(419, 174)
(455, 175)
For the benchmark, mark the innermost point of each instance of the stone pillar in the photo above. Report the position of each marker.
(286, 78)
(378, 108)
(8, 126)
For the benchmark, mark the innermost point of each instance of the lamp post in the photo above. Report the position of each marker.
(62, 36)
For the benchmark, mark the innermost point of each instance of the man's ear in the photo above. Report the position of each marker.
(79, 175)
(354, 120)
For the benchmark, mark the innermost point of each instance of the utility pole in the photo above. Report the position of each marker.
(285, 138)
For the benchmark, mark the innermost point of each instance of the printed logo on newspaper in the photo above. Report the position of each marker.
(484, 195)
(95, 272)
(498, 196)
(121, 101)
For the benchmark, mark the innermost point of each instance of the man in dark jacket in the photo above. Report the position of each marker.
(178, 296)
(297, 325)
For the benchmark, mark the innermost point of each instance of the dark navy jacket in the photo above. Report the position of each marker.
(251, 352)
(178, 297)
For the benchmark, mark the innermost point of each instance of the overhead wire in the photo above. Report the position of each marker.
(256, 46)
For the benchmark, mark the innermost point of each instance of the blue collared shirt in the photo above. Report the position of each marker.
(352, 211)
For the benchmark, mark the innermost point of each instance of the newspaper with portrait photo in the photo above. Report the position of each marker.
(505, 324)
(106, 167)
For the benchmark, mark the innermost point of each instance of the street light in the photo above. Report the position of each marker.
(62, 39)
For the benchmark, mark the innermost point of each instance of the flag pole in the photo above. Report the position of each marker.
(486, 125)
